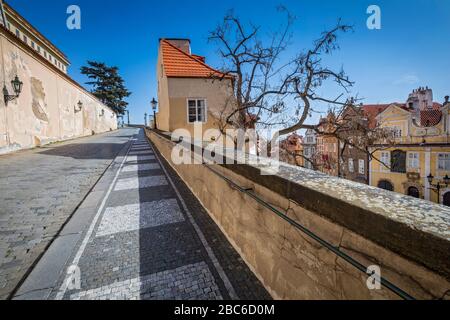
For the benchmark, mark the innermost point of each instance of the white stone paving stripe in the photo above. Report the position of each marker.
(139, 216)
(191, 282)
(141, 167)
(140, 183)
(200, 234)
(140, 158)
(150, 152)
(76, 259)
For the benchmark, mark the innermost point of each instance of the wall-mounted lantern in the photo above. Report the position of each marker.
(79, 107)
(17, 87)
(438, 186)
(102, 114)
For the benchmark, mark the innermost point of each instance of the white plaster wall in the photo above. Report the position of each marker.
(45, 110)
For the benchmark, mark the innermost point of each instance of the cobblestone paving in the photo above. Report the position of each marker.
(39, 190)
(153, 240)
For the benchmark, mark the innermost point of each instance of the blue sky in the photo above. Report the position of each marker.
(412, 49)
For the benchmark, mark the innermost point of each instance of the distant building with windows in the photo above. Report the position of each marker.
(189, 91)
(421, 128)
(28, 34)
(327, 159)
(309, 149)
(292, 150)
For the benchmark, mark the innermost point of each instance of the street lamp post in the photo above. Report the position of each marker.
(438, 186)
(145, 119)
(128, 114)
(154, 106)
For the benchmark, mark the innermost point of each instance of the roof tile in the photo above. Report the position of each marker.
(179, 64)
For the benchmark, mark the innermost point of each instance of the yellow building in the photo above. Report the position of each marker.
(189, 91)
(421, 129)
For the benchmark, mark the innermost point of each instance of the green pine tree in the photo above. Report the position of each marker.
(107, 85)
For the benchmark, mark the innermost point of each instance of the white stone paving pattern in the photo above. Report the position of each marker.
(141, 167)
(139, 216)
(140, 183)
(139, 158)
(191, 282)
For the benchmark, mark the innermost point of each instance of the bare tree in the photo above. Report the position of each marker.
(275, 90)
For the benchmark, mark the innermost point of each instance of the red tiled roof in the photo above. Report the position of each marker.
(430, 118)
(180, 64)
(372, 111)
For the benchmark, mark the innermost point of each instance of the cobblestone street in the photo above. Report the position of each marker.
(39, 190)
(144, 236)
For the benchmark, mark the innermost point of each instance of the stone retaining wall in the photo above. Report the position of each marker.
(290, 264)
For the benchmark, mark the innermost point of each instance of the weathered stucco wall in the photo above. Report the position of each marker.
(292, 265)
(45, 110)
(175, 92)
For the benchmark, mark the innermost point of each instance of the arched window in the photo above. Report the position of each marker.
(446, 201)
(386, 185)
(413, 192)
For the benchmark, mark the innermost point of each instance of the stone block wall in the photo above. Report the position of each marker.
(292, 265)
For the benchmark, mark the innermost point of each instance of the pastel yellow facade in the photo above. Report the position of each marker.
(423, 150)
(191, 94)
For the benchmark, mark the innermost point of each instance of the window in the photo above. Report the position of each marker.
(32, 44)
(45, 54)
(39, 49)
(386, 185)
(196, 110)
(9, 26)
(351, 165)
(413, 160)
(413, 192)
(444, 162)
(385, 161)
(446, 199)
(362, 166)
(396, 132)
(17, 33)
(398, 161)
(25, 39)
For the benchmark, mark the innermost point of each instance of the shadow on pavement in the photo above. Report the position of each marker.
(84, 151)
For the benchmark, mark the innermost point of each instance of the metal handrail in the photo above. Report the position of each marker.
(390, 286)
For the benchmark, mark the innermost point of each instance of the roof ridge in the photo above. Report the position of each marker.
(193, 58)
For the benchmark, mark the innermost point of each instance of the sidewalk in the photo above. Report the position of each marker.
(141, 234)
(39, 191)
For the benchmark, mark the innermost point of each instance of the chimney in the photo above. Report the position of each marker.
(182, 44)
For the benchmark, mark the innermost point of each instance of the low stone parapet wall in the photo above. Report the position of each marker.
(310, 236)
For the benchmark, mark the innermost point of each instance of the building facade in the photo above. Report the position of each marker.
(51, 106)
(421, 129)
(29, 35)
(309, 149)
(189, 91)
(353, 161)
(327, 159)
(292, 150)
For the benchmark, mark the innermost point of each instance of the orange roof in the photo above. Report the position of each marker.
(179, 64)
(372, 111)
